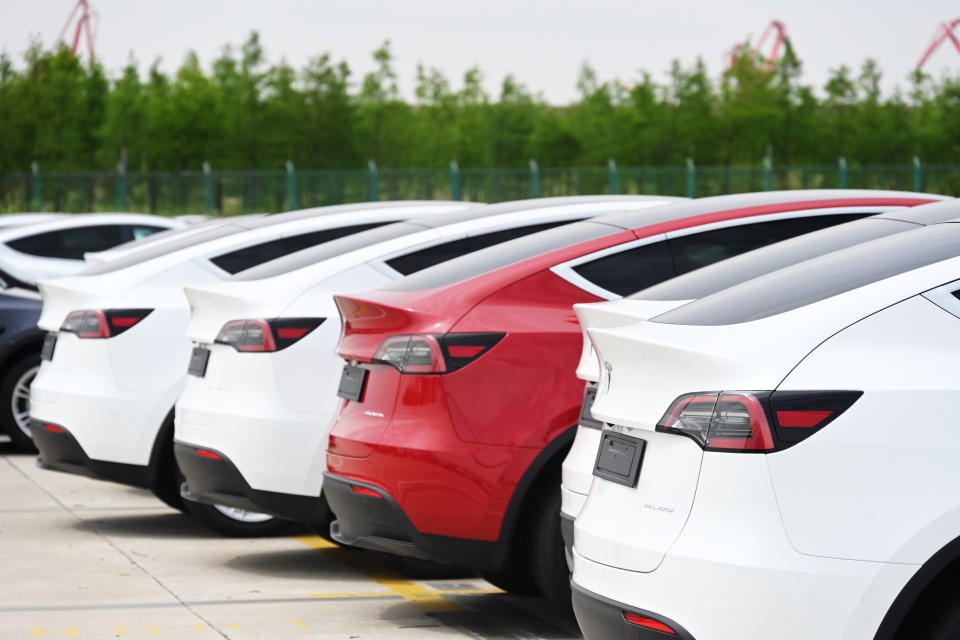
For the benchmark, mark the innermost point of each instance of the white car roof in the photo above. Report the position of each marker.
(213, 240)
(317, 264)
(86, 220)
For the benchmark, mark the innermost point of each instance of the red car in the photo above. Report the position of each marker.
(459, 394)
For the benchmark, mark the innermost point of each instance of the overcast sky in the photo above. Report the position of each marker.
(542, 42)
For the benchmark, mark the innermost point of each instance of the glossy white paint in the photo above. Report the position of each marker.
(824, 534)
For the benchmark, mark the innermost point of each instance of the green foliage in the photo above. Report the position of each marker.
(244, 112)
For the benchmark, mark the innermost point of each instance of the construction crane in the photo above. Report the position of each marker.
(780, 40)
(943, 32)
(87, 24)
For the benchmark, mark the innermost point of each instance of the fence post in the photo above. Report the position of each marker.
(767, 174)
(917, 174)
(456, 185)
(614, 175)
(207, 188)
(843, 179)
(691, 178)
(36, 187)
(291, 187)
(121, 187)
(374, 194)
(534, 179)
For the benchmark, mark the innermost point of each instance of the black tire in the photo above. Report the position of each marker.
(548, 562)
(219, 521)
(936, 619)
(14, 406)
(514, 583)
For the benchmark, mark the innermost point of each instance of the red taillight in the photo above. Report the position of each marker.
(647, 623)
(54, 428)
(802, 419)
(755, 421)
(434, 353)
(203, 453)
(266, 335)
(102, 324)
(363, 491)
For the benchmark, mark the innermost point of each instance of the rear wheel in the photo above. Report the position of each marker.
(15, 401)
(234, 522)
(548, 561)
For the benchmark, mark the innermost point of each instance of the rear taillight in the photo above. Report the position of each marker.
(434, 353)
(252, 336)
(754, 421)
(647, 623)
(102, 324)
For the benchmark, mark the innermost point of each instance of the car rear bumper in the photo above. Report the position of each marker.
(378, 522)
(60, 451)
(217, 481)
(110, 424)
(237, 409)
(603, 619)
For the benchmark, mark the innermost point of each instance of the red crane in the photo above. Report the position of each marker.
(86, 24)
(780, 40)
(943, 32)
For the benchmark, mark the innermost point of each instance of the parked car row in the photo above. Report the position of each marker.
(689, 404)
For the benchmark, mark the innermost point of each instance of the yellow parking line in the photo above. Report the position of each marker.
(427, 599)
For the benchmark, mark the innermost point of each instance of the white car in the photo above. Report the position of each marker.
(252, 421)
(125, 249)
(780, 459)
(578, 465)
(53, 248)
(115, 358)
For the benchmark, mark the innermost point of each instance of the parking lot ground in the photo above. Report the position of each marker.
(86, 559)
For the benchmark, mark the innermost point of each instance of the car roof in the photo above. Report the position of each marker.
(732, 271)
(547, 248)
(824, 277)
(78, 220)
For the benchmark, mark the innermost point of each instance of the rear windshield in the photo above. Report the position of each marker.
(501, 255)
(155, 251)
(327, 250)
(821, 278)
(753, 264)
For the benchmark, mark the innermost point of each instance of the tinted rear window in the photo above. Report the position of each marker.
(71, 244)
(748, 266)
(328, 250)
(248, 257)
(501, 255)
(821, 278)
(424, 258)
(156, 250)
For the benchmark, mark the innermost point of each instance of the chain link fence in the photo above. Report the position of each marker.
(237, 192)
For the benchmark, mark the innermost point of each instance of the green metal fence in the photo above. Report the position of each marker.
(235, 192)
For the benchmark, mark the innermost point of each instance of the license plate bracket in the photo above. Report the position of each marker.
(586, 419)
(49, 344)
(352, 381)
(619, 458)
(198, 362)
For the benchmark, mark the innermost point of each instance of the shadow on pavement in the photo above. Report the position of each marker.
(148, 525)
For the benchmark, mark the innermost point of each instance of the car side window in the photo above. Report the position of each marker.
(140, 232)
(424, 258)
(701, 249)
(71, 244)
(630, 270)
(241, 259)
